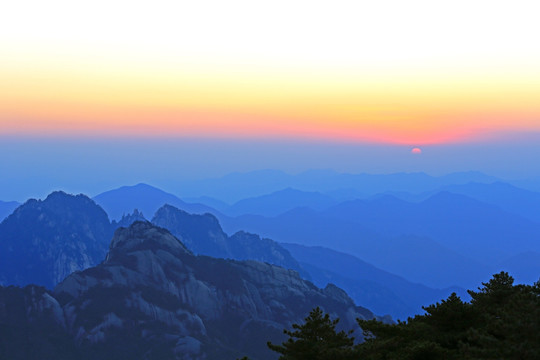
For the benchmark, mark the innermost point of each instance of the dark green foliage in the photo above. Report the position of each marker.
(316, 339)
(502, 321)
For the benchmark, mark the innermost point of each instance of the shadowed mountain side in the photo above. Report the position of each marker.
(418, 259)
(152, 298)
(43, 241)
(480, 230)
(203, 235)
(6, 208)
(279, 202)
(375, 288)
(147, 199)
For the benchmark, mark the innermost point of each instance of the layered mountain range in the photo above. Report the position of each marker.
(383, 250)
(62, 250)
(439, 231)
(152, 298)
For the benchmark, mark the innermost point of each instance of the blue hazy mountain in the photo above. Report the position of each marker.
(531, 183)
(421, 241)
(419, 259)
(377, 289)
(7, 207)
(214, 203)
(147, 199)
(281, 201)
(43, 241)
(508, 197)
(152, 298)
(237, 186)
(468, 226)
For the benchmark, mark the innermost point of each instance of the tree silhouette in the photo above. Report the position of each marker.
(502, 321)
(316, 339)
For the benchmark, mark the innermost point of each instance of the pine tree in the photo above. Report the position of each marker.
(316, 339)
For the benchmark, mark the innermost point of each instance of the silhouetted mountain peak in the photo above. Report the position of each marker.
(55, 237)
(66, 205)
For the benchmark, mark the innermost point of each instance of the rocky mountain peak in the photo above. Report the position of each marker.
(43, 241)
(181, 306)
(145, 235)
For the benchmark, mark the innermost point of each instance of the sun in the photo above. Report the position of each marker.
(416, 151)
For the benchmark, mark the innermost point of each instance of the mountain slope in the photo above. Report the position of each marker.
(43, 241)
(153, 299)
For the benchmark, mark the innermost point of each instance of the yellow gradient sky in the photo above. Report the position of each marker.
(403, 72)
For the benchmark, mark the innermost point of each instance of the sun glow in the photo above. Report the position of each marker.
(383, 72)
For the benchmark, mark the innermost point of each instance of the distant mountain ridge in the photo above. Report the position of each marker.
(469, 226)
(510, 198)
(279, 202)
(432, 261)
(237, 186)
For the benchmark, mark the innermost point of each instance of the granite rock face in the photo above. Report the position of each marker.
(152, 298)
(43, 241)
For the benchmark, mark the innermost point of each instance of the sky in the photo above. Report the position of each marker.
(220, 86)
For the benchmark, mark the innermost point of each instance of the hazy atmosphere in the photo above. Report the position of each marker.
(32, 167)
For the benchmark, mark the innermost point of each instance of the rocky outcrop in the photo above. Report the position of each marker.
(152, 298)
(129, 219)
(43, 241)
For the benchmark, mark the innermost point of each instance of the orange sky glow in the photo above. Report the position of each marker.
(420, 81)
